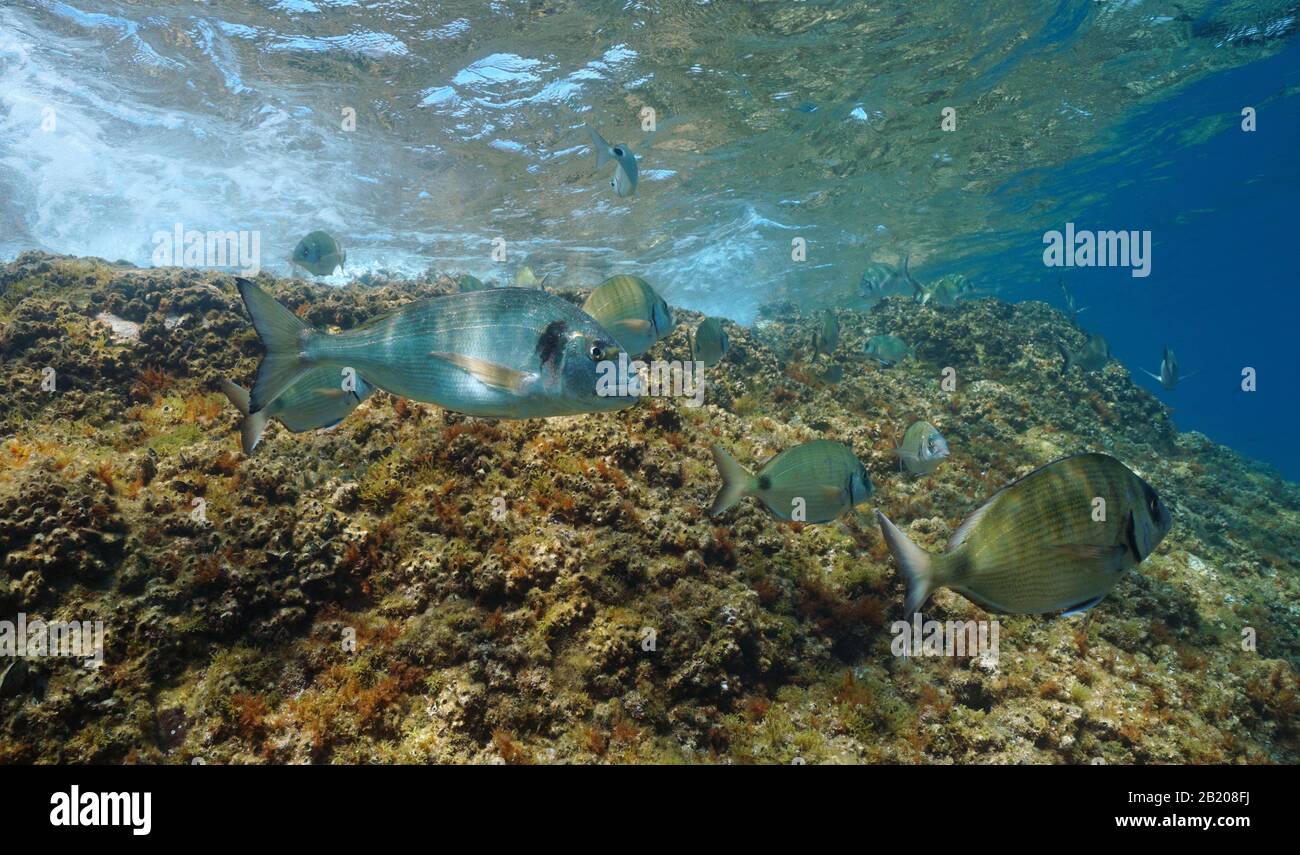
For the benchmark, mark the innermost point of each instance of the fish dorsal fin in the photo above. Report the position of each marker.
(968, 525)
(488, 373)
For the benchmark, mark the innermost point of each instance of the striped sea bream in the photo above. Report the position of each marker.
(1058, 539)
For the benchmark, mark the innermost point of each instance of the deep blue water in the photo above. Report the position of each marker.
(1223, 285)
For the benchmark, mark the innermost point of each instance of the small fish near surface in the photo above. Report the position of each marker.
(625, 174)
(818, 481)
(923, 448)
(1169, 375)
(1071, 310)
(319, 254)
(630, 309)
(319, 401)
(826, 337)
(888, 350)
(1043, 543)
(709, 343)
(504, 353)
(1093, 356)
(879, 281)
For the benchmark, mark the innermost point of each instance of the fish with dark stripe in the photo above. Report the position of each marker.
(1056, 540)
(502, 353)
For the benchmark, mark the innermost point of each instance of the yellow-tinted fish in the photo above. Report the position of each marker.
(1057, 539)
(630, 309)
(818, 481)
(526, 278)
(469, 283)
(319, 254)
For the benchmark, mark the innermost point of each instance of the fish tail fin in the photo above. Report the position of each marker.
(251, 428)
(902, 265)
(237, 394)
(282, 334)
(603, 155)
(737, 481)
(916, 565)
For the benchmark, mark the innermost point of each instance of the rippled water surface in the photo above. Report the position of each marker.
(772, 121)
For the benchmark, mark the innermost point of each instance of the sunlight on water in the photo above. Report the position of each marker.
(469, 126)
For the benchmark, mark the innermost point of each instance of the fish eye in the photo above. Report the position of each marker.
(598, 351)
(618, 152)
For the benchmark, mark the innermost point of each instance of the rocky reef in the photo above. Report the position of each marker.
(416, 586)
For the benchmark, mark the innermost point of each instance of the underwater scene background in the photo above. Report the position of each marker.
(418, 585)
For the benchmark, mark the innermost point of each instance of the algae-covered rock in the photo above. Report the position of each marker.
(419, 586)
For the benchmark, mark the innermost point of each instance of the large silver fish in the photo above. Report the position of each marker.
(320, 400)
(1044, 543)
(818, 480)
(503, 353)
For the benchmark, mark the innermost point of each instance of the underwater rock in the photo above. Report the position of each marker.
(419, 586)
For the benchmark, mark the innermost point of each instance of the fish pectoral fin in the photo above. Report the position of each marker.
(1080, 608)
(831, 493)
(488, 373)
(1110, 557)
